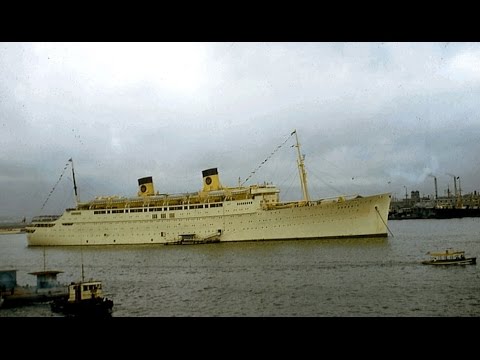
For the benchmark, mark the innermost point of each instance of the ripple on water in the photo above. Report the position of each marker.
(345, 277)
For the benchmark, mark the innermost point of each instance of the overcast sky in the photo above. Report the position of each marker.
(371, 118)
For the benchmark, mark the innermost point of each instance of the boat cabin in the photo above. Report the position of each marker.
(84, 290)
(449, 254)
(47, 279)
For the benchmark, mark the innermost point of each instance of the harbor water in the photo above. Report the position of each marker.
(370, 277)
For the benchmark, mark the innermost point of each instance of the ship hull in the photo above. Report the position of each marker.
(95, 307)
(232, 221)
(468, 261)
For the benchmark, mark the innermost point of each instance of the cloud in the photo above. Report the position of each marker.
(371, 117)
(464, 67)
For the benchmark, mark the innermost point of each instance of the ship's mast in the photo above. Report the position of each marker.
(301, 169)
(77, 199)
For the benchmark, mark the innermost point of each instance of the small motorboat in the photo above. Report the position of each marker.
(449, 257)
(84, 298)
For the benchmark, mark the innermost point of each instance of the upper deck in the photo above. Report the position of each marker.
(269, 193)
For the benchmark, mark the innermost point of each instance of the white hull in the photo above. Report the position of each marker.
(235, 220)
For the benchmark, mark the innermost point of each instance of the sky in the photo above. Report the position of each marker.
(370, 117)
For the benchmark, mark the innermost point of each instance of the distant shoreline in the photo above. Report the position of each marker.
(12, 228)
(12, 231)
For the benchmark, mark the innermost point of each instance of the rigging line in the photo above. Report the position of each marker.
(54, 186)
(324, 182)
(268, 158)
(290, 186)
(341, 170)
(290, 176)
(384, 223)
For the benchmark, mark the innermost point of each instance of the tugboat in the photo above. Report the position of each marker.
(85, 298)
(450, 257)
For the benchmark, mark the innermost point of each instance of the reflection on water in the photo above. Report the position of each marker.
(321, 277)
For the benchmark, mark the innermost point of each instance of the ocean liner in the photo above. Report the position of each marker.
(215, 213)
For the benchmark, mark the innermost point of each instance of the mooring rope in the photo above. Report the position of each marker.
(384, 223)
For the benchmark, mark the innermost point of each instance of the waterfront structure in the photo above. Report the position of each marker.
(47, 288)
(440, 207)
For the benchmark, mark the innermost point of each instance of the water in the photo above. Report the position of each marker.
(314, 278)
